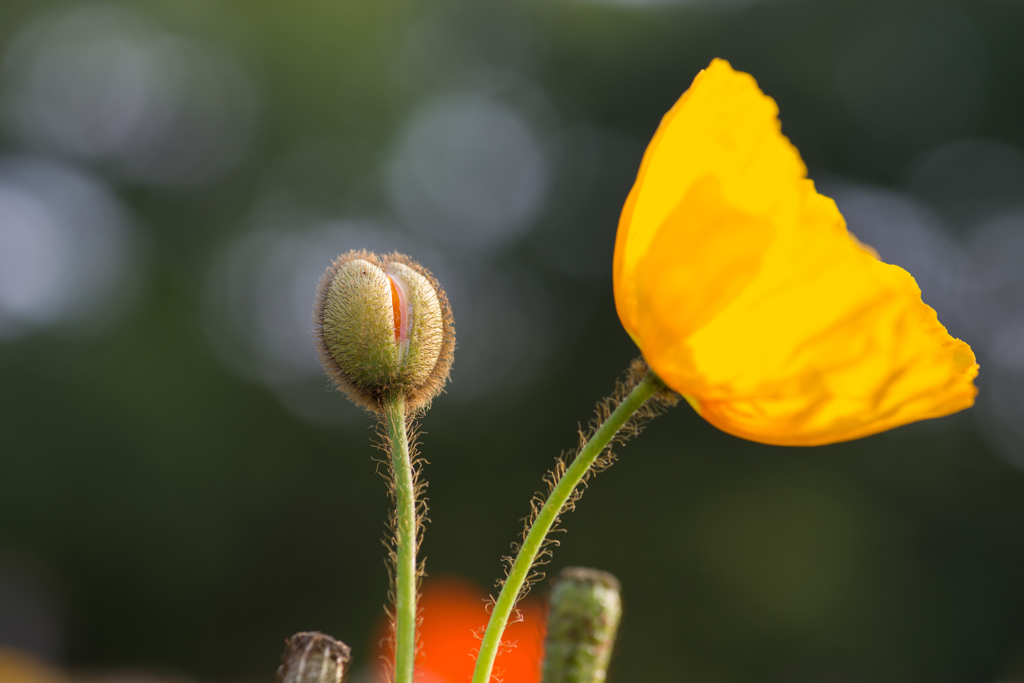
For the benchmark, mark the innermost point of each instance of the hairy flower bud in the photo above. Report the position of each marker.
(383, 325)
(312, 657)
(582, 623)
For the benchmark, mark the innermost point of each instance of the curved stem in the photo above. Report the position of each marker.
(405, 540)
(546, 518)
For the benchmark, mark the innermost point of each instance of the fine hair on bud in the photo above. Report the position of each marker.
(585, 609)
(383, 325)
(313, 657)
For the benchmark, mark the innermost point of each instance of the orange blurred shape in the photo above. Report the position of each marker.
(20, 667)
(453, 619)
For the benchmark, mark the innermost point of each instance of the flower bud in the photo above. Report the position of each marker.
(312, 657)
(582, 623)
(383, 325)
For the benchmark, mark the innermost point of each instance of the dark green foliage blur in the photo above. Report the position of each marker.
(179, 517)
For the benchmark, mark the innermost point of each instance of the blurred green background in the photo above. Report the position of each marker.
(179, 491)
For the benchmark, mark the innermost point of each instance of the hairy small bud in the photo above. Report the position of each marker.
(312, 657)
(383, 325)
(582, 623)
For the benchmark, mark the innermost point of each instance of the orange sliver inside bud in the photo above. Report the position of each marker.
(396, 307)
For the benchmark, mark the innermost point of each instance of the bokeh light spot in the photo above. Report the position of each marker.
(68, 258)
(468, 172)
(100, 83)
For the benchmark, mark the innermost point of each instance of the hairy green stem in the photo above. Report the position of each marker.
(405, 540)
(534, 541)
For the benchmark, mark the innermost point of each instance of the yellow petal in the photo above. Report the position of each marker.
(746, 294)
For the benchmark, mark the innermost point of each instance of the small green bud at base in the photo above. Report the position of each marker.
(383, 325)
(585, 608)
(312, 657)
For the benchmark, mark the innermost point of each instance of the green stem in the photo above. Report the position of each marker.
(405, 541)
(546, 518)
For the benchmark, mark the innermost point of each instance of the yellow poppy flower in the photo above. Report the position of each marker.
(746, 294)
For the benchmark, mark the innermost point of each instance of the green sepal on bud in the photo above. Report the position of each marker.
(313, 657)
(383, 325)
(585, 609)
